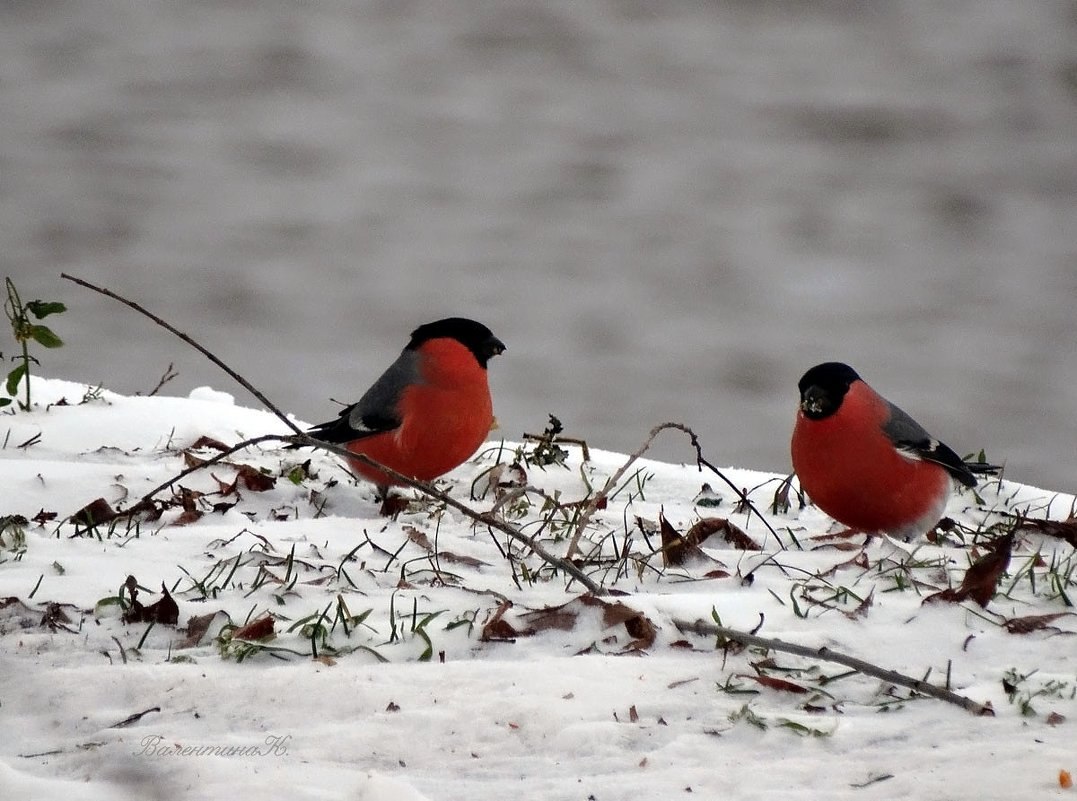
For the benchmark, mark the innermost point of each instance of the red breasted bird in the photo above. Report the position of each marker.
(865, 462)
(428, 412)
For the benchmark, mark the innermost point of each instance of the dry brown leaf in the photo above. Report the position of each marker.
(419, 538)
(565, 617)
(1030, 623)
(164, 610)
(1062, 529)
(95, 513)
(197, 626)
(981, 579)
(863, 607)
(258, 629)
(254, 479)
(496, 628)
(461, 559)
(190, 460)
(208, 442)
(676, 550)
(732, 534)
(636, 623)
(775, 683)
(43, 517)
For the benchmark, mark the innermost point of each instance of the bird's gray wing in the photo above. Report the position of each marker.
(911, 437)
(376, 411)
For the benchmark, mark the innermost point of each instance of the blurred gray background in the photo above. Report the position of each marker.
(667, 209)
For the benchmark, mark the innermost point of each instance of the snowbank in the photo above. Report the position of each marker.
(430, 658)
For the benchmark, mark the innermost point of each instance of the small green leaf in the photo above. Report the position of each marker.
(40, 308)
(43, 335)
(5, 402)
(13, 379)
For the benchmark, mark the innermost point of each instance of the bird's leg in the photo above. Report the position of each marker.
(391, 505)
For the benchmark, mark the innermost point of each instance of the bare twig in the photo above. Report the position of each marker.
(827, 655)
(580, 443)
(236, 376)
(702, 462)
(137, 716)
(600, 497)
(166, 376)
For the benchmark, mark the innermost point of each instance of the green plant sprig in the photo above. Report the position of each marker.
(25, 330)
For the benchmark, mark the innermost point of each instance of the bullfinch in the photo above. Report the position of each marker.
(428, 412)
(865, 462)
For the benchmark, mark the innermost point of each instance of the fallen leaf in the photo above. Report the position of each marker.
(565, 617)
(497, 628)
(208, 442)
(43, 517)
(164, 610)
(190, 460)
(863, 607)
(676, 550)
(94, 513)
(504, 478)
(981, 579)
(1065, 780)
(733, 535)
(1024, 625)
(461, 559)
(1062, 529)
(258, 629)
(419, 538)
(197, 627)
(775, 683)
(254, 479)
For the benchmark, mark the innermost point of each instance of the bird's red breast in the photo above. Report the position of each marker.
(852, 471)
(444, 417)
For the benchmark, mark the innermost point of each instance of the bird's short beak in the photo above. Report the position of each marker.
(497, 347)
(813, 401)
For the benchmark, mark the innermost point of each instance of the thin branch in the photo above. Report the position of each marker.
(600, 498)
(236, 376)
(166, 376)
(827, 655)
(701, 462)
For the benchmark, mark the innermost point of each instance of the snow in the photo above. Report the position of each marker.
(412, 703)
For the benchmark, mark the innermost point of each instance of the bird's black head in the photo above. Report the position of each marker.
(823, 387)
(476, 337)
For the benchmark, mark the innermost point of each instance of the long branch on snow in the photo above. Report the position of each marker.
(828, 655)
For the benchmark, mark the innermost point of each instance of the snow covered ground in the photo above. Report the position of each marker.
(452, 663)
